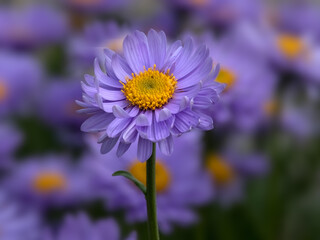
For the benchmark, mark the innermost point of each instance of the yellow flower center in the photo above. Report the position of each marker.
(48, 182)
(149, 89)
(3, 91)
(226, 76)
(291, 46)
(220, 170)
(138, 170)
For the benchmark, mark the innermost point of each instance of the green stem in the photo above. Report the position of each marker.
(153, 231)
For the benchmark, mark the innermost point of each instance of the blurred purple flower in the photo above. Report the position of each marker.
(96, 36)
(19, 78)
(48, 181)
(250, 86)
(32, 26)
(79, 227)
(230, 172)
(178, 188)
(10, 139)
(146, 93)
(17, 221)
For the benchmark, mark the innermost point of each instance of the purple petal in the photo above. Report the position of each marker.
(108, 144)
(144, 149)
(117, 126)
(119, 112)
(122, 148)
(121, 68)
(166, 146)
(157, 46)
(130, 134)
(97, 122)
(111, 95)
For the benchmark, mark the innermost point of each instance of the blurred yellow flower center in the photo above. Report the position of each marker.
(138, 170)
(115, 44)
(3, 91)
(48, 182)
(271, 107)
(149, 89)
(221, 171)
(226, 76)
(291, 46)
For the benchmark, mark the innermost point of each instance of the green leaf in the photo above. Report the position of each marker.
(129, 176)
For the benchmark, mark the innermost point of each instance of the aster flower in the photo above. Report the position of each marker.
(11, 138)
(230, 171)
(79, 227)
(21, 28)
(147, 93)
(47, 181)
(179, 189)
(96, 36)
(19, 78)
(17, 221)
(240, 106)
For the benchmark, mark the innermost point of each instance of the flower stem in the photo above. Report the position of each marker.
(153, 231)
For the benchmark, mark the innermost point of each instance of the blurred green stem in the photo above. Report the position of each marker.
(153, 231)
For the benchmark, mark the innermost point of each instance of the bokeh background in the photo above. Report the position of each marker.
(255, 176)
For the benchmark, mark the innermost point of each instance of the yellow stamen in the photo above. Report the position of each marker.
(138, 170)
(291, 46)
(48, 182)
(226, 76)
(220, 170)
(3, 91)
(150, 89)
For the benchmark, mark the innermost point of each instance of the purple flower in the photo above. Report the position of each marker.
(48, 181)
(84, 48)
(21, 27)
(57, 103)
(19, 77)
(249, 89)
(230, 171)
(79, 227)
(17, 221)
(179, 189)
(10, 140)
(147, 92)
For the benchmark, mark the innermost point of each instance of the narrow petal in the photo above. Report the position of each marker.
(144, 149)
(117, 126)
(166, 146)
(121, 68)
(97, 122)
(108, 144)
(122, 148)
(119, 112)
(157, 46)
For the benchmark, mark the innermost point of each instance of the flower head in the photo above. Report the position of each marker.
(149, 93)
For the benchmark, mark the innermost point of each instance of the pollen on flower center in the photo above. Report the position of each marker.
(226, 76)
(221, 172)
(47, 182)
(3, 91)
(291, 46)
(138, 170)
(150, 89)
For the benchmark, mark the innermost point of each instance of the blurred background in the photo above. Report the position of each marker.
(255, 176)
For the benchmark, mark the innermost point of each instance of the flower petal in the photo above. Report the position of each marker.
(166, 146)
(144, 149)
(108, 144)
(97, 122)
(117, 126)
(157, 46)
(122, 148)
(119, 112)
